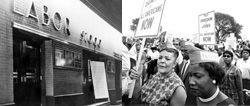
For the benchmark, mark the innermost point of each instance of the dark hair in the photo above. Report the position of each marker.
(154, 48)
(245, 50)
(199, 46)
(228, 52)
(214, 70)
(151, 66)
(172, 50)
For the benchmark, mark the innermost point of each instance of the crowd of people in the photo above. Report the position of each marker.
(181, 73)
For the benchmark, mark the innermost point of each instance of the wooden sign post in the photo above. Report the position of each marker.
(137, 67)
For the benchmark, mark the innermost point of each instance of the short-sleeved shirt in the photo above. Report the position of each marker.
(244, 67)
(159, 90)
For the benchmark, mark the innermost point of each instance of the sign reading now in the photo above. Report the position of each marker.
(207, 28)
(150, 18)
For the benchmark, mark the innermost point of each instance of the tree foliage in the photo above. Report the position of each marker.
(224, 25)
(135, 22)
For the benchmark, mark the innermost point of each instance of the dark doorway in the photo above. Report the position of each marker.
(26, 72)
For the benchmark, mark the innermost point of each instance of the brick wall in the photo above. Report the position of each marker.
(58, 81)
(6, 56)
(49, 69)
(67, 81)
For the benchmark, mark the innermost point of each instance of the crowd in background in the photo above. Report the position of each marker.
(229, 73)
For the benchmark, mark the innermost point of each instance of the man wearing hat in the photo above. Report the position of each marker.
(244, 65)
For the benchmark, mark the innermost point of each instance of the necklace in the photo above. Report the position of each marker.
(212, 97)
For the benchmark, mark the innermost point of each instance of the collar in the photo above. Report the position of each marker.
(212, 97)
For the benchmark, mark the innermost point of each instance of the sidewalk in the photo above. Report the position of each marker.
(103, 104)
(116, 105)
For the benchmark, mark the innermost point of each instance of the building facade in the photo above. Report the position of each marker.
(46, 49)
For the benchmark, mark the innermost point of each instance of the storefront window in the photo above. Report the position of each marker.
(110, 66)
(60, 60)
(67, 58)
(69, 62)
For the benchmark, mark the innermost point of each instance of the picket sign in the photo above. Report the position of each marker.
(148, 26)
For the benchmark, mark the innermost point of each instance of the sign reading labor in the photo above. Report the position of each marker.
(150, 18)
(207, 28)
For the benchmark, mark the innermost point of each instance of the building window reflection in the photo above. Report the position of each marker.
(66, 58)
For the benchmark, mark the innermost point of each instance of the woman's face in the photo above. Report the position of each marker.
(200, 82)
(245, 55)
(227, 58)
(166, 62)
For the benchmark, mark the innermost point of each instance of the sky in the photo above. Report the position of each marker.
(180, 17)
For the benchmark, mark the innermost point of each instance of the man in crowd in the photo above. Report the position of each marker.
(184, 67)
(179, 60)
(184, 46)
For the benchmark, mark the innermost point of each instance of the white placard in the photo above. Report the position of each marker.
(207, 28)
(99, 79)
(231, 42)
(244, 37)
(232, 35)
(150, 18)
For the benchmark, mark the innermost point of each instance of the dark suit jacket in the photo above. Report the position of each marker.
(185, 78)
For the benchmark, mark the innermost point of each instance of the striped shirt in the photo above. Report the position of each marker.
(232, 84)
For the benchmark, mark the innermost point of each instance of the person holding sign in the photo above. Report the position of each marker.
(165, 87)
(205, 76)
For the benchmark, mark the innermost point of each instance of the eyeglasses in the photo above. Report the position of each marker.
(227, 56)
(183, 50)
(245, 52)
(176, 44)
